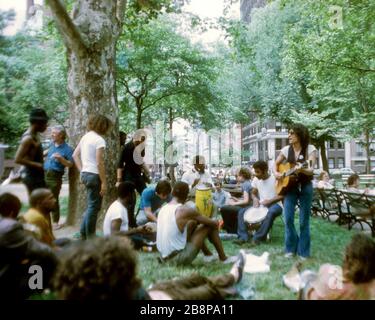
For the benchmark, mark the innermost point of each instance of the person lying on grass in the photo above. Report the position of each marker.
(181, 231)
(106, 269)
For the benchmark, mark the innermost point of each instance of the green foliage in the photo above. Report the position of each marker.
(297, 62)
(158, 69)
(33, 75)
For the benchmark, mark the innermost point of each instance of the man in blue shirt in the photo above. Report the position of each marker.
(59, 156)
(151, 201)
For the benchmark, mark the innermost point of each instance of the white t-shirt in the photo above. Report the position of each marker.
(114, 212)
(191, 175)
(266, 188)
(310, 150)
(89, 143)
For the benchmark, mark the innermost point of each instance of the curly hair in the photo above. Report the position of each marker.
(302, 133)
(98, 269)
(359, 262)
(245, 173)
(99, 123)
(261, 165)
(181, 191)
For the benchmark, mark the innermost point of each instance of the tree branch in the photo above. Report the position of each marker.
(125, 84)
(344, 66)
(162, 97)
(71, 35)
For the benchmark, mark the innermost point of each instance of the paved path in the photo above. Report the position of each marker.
(20, 191)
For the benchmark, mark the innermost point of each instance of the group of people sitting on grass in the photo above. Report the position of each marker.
(85, 270)
(106, 267)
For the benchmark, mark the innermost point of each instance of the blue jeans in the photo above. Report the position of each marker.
(273, 212)
(294, 243)
(94, 202)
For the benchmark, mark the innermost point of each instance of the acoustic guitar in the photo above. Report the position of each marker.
(289, 177)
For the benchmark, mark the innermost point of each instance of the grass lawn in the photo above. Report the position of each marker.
(328, 243)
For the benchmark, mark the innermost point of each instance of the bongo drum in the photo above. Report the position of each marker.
(255, 215)
(203, 200)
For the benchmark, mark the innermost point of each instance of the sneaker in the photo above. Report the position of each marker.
(289, 255)
(239, 265)
(57, 226)
(302, 258)
(229, 260)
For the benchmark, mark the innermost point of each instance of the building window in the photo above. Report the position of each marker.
(359, 163)
(331, 163)
(340, 145)
(331, 144)
(359, 150)
(278, 128)
(340, 163)
(279, 144)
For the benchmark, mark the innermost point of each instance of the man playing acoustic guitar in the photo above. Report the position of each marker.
(297, 153)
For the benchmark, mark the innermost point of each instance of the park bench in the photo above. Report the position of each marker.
(361, 208)
(333, 205)
(317, 205)
(351, 208)
(366, 180)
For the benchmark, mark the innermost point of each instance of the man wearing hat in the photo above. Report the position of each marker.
(30, 151)
(197, 175)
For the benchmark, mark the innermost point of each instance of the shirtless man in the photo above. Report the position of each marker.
(30, 151)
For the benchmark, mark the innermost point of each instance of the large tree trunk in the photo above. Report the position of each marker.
(90, 36)
(91, 89)
(139, 117)
(323, 154)
(171, 165)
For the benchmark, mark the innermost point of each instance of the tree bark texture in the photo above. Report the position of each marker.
(90, 35)
(247, 6)
(323, 154)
